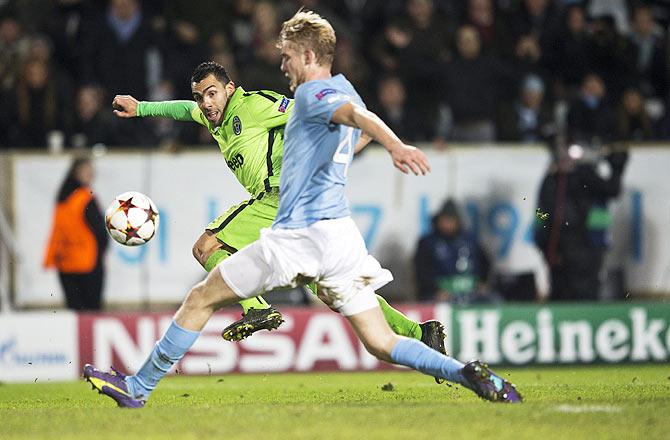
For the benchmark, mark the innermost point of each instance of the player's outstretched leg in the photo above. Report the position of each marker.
(201, 302)
(430, 332)
(133, 391)
(257, 314)
(381, 342)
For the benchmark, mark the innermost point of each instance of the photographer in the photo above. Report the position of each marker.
(573, 218)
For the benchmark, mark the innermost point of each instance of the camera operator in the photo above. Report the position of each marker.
(573, 227)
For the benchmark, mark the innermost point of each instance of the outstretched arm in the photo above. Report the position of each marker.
(405, 157)
(126, 106)
(362, 143)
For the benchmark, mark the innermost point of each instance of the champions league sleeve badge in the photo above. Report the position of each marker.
(283, 105)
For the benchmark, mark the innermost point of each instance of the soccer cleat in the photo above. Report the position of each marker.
(251, 322)
(488, 385)
(112, 384)
(432, 334)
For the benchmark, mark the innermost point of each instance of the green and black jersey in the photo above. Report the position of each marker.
(251, 136)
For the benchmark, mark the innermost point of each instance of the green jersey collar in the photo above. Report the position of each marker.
(233, 103)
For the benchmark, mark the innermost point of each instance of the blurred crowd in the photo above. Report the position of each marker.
(435, 70)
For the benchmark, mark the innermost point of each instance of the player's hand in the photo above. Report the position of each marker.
(125, 106)
(408, 158)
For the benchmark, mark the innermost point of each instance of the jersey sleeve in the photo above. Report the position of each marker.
(178, 110)
(270, 109)
(317, 104)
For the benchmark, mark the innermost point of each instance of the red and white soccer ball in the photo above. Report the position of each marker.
(132, 219)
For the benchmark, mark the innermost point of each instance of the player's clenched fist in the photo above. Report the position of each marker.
(125, 106)
(407, 157)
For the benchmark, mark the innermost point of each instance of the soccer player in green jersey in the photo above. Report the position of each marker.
(249, 129)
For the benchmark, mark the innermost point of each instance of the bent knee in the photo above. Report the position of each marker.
(197, 252)
(197, 297)
(211, 293)
(381, 346)
(205, 246)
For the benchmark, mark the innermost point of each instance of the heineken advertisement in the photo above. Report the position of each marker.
(316, 339)
(555, 334)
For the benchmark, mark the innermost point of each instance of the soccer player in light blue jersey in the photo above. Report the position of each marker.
(313, 238)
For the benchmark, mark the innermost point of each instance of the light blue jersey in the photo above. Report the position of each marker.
(317, 154)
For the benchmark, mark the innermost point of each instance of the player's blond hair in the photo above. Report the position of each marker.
(311, 31)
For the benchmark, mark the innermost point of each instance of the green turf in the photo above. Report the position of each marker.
(568, 402)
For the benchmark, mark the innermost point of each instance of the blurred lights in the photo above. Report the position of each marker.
(575, 151)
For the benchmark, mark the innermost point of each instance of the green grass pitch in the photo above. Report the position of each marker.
(576, 402)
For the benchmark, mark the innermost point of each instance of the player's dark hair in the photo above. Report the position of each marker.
(210, 68)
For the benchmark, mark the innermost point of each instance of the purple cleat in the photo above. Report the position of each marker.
(488, 385)
(113, 385)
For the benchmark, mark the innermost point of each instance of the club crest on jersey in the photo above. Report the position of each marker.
(237, 125)
(283, 105)
(323, 93)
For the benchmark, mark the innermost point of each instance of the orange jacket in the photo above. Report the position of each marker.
(72, 247)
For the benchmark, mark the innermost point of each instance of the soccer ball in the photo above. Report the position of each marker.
(132, 219)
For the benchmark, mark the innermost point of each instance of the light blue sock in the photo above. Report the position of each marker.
(172, 346)
(417, 355)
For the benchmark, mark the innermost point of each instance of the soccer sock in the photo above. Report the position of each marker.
(172, 346)
(414, 354)
(257, 303)
(218, 256)
(399, 323)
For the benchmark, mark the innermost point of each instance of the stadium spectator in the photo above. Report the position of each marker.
(617, 9)
(591, 119)
(13, 49)
(449, 263)
(262, 72)
(120, 52)
(527, 119)
(116, 48)
(573, 228)
(65, 25)
(388, 45)
(568, 57)
(493, 31)
(650, 54)
(211, 16)
(184, 45)
(427, 49)
(350, 63)
(78, 239)
(93, 123)
(35, 107)
(611, 55)
(534, 21)
(414, 48)
(634, 123)
(265, 19)
(242, 31)
(471, 86)
(392, 108)
(528, 55)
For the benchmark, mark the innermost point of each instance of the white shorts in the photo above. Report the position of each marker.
(331, 253)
